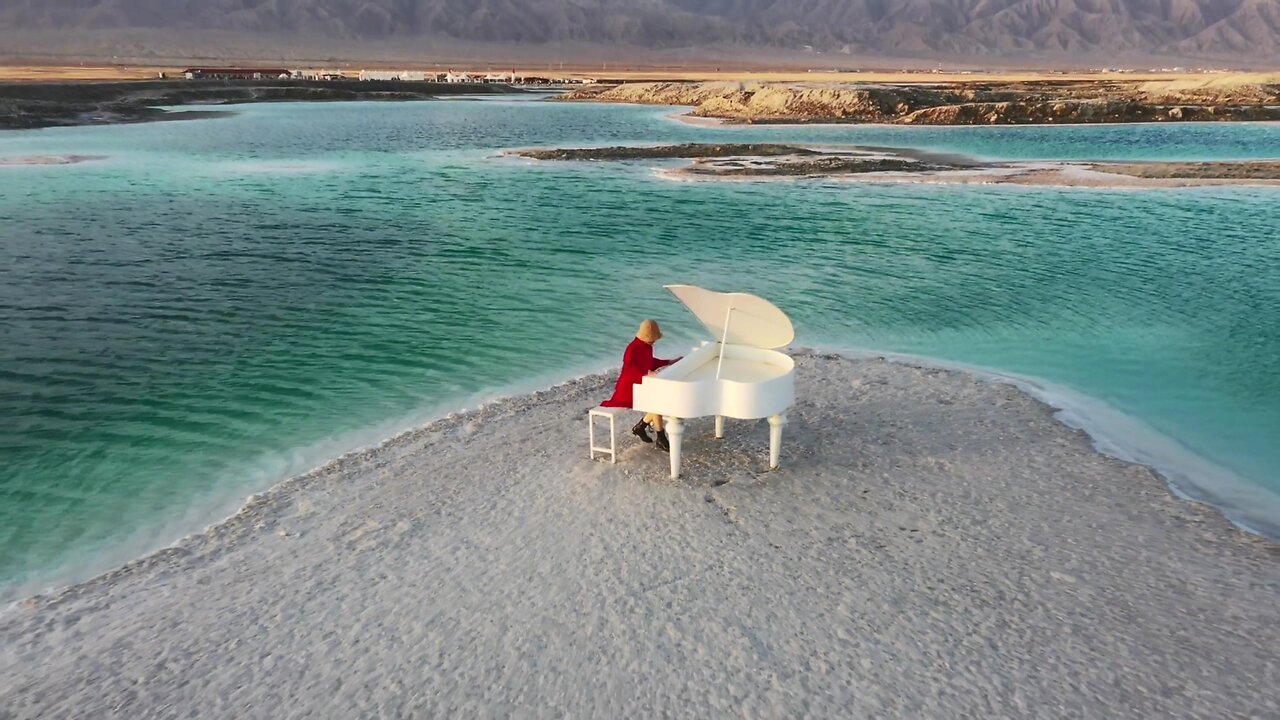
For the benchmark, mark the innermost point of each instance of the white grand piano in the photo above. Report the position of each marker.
(739, 375)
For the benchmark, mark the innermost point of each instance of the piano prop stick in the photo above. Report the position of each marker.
(740, 375)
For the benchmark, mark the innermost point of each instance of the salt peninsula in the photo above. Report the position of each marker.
(936, 544)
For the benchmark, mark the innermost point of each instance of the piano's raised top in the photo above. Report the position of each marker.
(751, 320)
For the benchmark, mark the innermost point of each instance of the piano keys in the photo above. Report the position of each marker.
(738, 374)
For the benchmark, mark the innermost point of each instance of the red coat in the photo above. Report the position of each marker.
(637, 362)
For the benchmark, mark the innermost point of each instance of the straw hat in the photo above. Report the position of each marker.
(649, 331)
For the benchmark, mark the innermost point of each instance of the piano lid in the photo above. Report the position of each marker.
(754, 321)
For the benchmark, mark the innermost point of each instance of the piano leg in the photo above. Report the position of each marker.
(719, 427)
(675, 434)
(775, 438)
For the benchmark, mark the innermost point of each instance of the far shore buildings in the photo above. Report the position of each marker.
(402, 75)
(312, 74)
(239, 73)
(417, 76)
(451, 76)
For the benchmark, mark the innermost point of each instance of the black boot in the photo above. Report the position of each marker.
(641, 431)
(663, 444)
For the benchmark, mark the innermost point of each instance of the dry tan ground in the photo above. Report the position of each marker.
(1206, 81)
(34, 73)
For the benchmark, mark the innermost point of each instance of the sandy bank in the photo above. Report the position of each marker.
(935, 545)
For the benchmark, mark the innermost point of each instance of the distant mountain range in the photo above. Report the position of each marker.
(1218, 29)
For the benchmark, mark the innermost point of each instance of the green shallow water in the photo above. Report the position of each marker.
(220, 304)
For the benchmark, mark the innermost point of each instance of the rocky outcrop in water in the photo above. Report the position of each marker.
(765, 159)
(688, 150)
(752, 159)
(825, 166)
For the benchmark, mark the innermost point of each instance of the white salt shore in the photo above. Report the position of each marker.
(935, 545)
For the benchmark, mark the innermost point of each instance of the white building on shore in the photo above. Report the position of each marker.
(404, 75)
(452, 76)
(313, 74)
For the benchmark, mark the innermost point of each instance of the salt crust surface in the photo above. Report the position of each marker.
(936, 545)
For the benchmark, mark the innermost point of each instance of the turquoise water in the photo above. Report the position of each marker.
(222, 303)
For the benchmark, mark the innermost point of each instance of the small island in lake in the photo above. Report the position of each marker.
(738, 161)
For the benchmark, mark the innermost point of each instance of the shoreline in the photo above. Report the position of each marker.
(223, 507)
(916, 509)
(686, 118)
(1173, 464)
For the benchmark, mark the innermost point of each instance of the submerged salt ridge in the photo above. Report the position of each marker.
(173, 333)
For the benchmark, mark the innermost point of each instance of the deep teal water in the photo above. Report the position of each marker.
(220, 304)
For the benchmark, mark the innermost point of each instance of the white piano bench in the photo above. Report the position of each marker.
(607, 412)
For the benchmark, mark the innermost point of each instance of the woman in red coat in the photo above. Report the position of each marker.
(637, 362)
